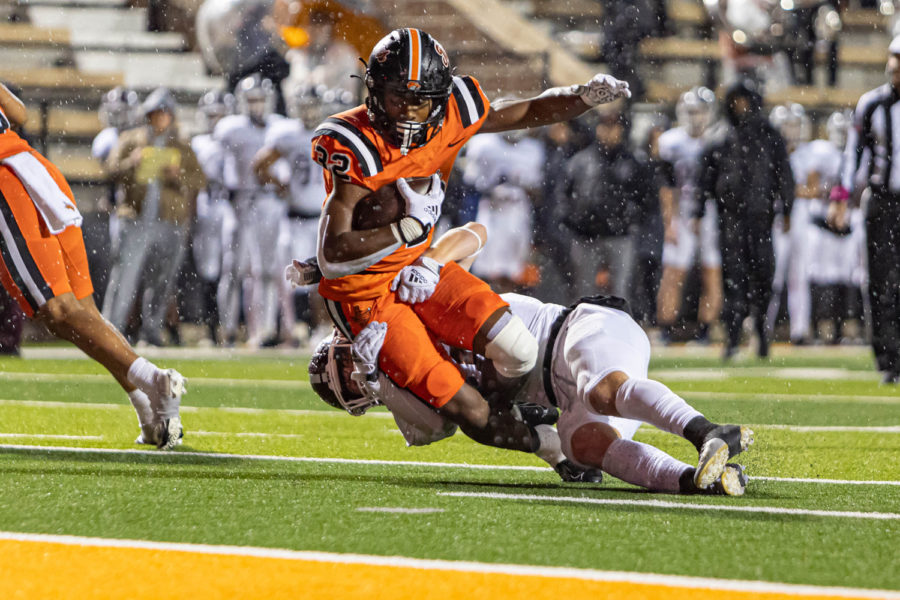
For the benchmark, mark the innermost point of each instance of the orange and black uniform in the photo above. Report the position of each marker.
(349, 149)
(36, 264)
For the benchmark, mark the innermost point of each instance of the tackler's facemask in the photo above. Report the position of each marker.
(410, 68)
(330, 370)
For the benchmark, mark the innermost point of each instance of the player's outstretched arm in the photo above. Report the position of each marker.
(460, 245)
(13, 107)
(554, 105)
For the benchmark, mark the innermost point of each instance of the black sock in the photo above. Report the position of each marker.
(697, 429)
(686, 482)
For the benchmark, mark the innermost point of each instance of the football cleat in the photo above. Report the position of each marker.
(536, 414)
(720, 444)
(167, 433)
(570, 472)
(733, 482)
(148, 436)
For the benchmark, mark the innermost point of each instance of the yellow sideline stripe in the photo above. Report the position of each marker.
(38, 569)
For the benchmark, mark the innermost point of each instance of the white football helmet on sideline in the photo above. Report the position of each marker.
(792, 123)
(694, 110)
(837, 127)
(255, 97)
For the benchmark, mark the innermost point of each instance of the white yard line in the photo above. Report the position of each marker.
(192, 381)
(774, 510)
(806, 428)
(250, 434)
(805, 398)
(386, 463)
(46, 436)
(399, 510)
(460, 566)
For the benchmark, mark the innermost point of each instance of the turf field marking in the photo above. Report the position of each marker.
(543, 582)
(825, 481)
(246, 434)
(47, 436)
(198, 381)
(775, 510)
(808, 373)
(807, 428)
(827, 398)
(400, 510)
(388, 463)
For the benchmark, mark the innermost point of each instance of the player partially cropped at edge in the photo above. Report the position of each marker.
(44, 267)
(415, 120)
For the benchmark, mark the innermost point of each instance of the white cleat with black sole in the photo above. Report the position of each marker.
(167, 431)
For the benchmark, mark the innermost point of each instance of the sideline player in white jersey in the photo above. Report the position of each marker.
(120, 109)
(253, 247)
(505, 169)
(285, 162)
(837, 263)
(213, 206)
(814, 165)
(684, 243)
(592, 365)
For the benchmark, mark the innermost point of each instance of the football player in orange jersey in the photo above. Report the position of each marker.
(44, 267)
(415, 120)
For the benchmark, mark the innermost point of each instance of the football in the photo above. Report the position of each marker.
(385, 205)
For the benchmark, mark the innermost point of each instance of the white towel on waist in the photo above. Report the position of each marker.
(55, 207)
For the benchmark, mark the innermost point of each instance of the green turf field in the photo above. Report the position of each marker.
(266, 464)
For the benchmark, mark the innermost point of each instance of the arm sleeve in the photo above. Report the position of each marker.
(856, 153)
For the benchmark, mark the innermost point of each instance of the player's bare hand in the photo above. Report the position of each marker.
(416, 282)
(602, 89)
(172, 174)
(837, 216)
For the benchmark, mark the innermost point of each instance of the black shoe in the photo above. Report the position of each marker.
(569, 471)
(891, 378)
(719, 445)
(537, 414)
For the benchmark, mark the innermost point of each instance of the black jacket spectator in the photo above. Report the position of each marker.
(746, 170)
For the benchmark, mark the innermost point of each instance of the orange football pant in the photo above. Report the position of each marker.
(412, 355)
(36, 265)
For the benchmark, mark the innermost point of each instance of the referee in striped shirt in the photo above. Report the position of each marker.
(870, 172)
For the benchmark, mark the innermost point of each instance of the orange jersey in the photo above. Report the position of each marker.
(10, 142)
(350, 150)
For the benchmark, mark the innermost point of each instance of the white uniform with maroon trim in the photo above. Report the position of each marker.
(593, 342)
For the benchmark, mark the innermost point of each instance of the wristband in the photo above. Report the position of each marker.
(408, 229)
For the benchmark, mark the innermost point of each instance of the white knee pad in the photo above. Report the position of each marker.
(513, 349)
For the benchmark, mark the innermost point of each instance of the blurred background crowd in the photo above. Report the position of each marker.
(185, 127)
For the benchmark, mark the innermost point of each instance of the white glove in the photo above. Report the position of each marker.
(416, 282)
(364, 352)
(422, 210)
(602, 89)
(302, 272)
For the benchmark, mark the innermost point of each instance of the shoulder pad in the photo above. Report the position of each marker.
(354, 140)
(470, 100)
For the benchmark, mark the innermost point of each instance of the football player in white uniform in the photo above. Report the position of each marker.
(684, 242)
(814, 165)
(120, 109)
(253, 246)
(592, 366)
(285, 162)
(213, 206)
(837, 264)
(505, 169)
